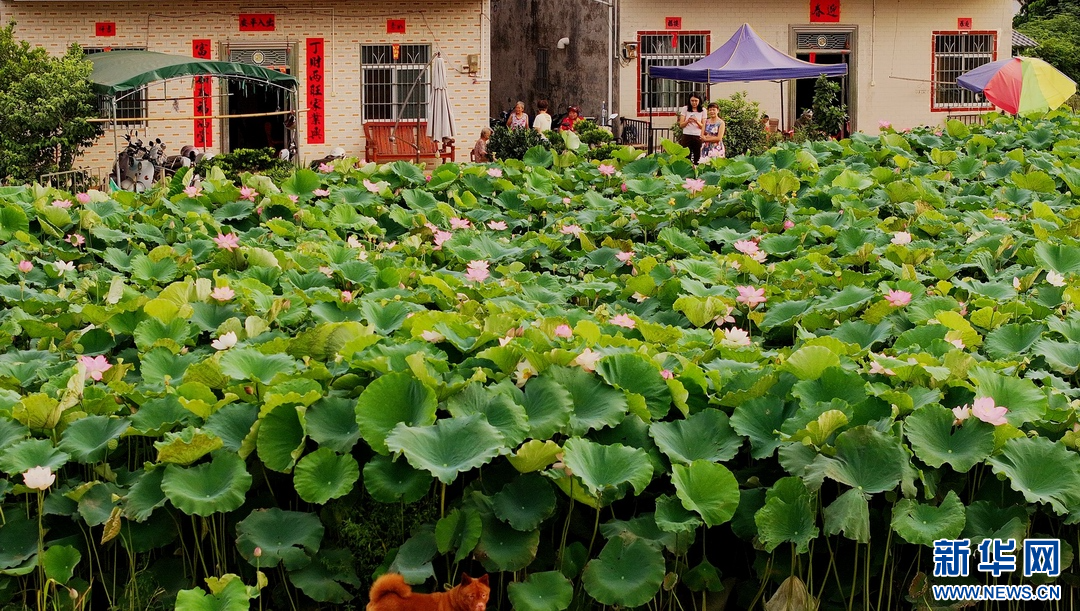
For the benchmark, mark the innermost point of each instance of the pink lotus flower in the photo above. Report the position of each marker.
(876, 367)
(573, 230)
(747, 247)
(566, 201)
(884, 124)
(427, 177)
(61, 203)
(25, 266)
(223, 293)
(789, 224)
(725, 317)
(39, 478)
(666, 374)
(372, 187)
(494, 172)
(638, 297)
(441, 236)
(587, 360)
(459, 223)
(625, 256)
(320, 192)
(193, 191)
(76, 239)
(95, 366)
(898, 298)
(497, 225)
(478, 271)
(564, 331)
(326, 168)
(607, 170)
(751, 296)
(984, 409)
(84, 198)
(961, 413)
(624, 188)
(901, 237)
(248, 193)
(963, 308)
(694, 185)
(228, 242)
(959, 343)
(735, 337)
(622, 320)
(294, 198)
(346, 296)
(225, 341)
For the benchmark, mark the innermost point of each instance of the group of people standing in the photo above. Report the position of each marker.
(519, 119)
(702, 129)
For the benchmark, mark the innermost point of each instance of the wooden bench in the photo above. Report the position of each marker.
(407, 137)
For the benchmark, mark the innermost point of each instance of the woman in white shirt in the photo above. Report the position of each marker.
(691, 120)
(542, 120)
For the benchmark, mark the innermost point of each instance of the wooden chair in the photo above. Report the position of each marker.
(408, 136)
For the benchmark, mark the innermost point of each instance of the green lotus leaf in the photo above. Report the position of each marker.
(232, 424)
(18, 540)
(923, 524)
(672, 517)
(171, 335)
(1025, 401)
(459, 531)
(504, 548)
(160, 365)
(187, 446)
(413, 558)
(703, 577)
(287, 537)
(1061, 258)
(596, 405)
(218, 486)
(760, 420)
(1068, 327)
(234, 596)
(525, 502)
(322, 583)
(988, 520)
(324, 474)
(852, 296)
(29, 453)
(936, 442)
(645, 527)
(707, 488)
(834, 383)
(250, 364)
(159, 415)
(12, 432)
(548, 406)
(628, 573)
(1063, 357)
(97, 502)
(605, 468)
(507, 416)
(392, 399)
(787, 516)
(281, 437)
(144, 496)
(705, 435)
(1007, 341)
(534, 455)
(546, 591)
(390, 481)
(331, 422)
(157, 532)
(1042, 470)
(808, 362)
(87, 439)
(60, 562)
(449, 447)
(867, 460)
(636, 373)
(849, 514)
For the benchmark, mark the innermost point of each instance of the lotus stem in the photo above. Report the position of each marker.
(854, 576)
(42, 594)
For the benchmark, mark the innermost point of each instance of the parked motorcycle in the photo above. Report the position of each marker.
(135, 169)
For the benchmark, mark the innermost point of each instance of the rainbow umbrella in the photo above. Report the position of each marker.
(1020, 84)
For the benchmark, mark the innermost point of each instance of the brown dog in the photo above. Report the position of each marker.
(391, 593)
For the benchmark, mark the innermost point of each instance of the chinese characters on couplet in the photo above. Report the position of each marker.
(824, 11)
(105, 28)
(203, 97)
(996, 556)
(257, 22)
(316, 133)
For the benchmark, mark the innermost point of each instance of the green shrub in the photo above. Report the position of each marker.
(508, 143)
(830, 114)
(257, 161)
(514, 143)
(743, 132)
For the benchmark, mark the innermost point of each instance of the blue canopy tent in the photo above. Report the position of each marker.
(746, 57)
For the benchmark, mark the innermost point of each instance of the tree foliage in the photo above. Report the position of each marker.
(1058, 35)
(45, 102)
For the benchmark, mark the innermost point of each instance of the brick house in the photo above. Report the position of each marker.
(371, 52)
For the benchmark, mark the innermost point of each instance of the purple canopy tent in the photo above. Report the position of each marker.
(746, 57)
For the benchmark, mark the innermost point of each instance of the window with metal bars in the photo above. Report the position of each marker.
(395, 81)
(667, 49)
(542, 78)
(131, 108)
(954, 54)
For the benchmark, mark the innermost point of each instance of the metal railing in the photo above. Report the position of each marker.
(636, 133)
(79, 179)
(974, 118)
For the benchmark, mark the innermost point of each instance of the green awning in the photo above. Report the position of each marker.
(118, 71)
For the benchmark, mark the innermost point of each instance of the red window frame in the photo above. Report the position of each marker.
(933, 68)
(641, 57)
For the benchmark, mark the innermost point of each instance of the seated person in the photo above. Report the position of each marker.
(567, 124)
(480, 152)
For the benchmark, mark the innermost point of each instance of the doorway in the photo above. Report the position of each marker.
(244, 97)
(825, 46)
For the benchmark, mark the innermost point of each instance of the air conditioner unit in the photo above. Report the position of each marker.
(472, 62)
(629, 50)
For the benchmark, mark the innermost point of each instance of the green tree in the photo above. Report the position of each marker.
(1058, 36)
(44, 102)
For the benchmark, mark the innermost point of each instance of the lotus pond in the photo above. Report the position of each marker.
(629, 383)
